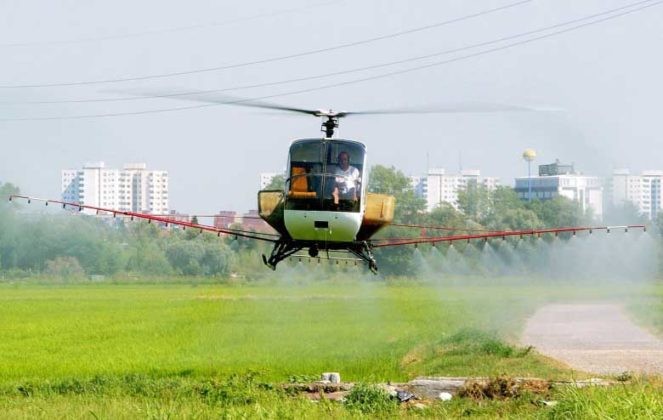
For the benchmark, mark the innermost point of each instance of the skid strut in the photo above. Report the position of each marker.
(282, 250)
(363, 251)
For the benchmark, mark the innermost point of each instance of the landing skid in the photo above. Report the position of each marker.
(286, 248)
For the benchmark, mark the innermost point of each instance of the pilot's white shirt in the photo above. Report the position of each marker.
(347, 180)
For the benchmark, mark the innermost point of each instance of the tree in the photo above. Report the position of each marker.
(199, 257)
(559, 212)
(65, 268)
(409, 209)
(507, 211)
(446, 215)
(8, 225)
(148, 258)
(474, 201)
(391, 181)
(277, 183)
(625, 214)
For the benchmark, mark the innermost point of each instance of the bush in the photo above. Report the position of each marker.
(64, 267)
(370, 399)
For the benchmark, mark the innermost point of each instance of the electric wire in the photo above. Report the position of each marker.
(166, 30)
(347, 82)
(336, 73)
(272, 59)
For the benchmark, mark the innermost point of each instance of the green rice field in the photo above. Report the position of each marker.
(185, 350)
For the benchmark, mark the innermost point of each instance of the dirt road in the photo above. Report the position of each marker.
(596, 338)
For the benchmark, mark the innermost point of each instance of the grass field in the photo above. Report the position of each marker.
(157, 350)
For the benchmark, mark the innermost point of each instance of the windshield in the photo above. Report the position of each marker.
(325, 175)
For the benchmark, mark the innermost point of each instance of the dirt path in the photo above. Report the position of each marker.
(596, 338)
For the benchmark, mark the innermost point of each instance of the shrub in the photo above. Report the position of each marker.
(370, 399)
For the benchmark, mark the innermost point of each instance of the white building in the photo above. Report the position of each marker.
(643, 190)
(556, 180)
(132, 188)
(438, 187)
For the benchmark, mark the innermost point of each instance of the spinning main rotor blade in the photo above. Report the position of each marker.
(212, 98)
(459, 107)
(452, 108)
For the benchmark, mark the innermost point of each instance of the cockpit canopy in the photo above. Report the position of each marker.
(325, 175)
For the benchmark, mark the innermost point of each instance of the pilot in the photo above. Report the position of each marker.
(347, 179)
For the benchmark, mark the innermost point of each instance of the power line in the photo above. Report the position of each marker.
(353, 81)
(341, 72)
(269, 60)
(166, 30)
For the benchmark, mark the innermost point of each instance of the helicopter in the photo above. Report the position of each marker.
(325, 205)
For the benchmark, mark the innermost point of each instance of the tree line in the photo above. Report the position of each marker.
(77, 246)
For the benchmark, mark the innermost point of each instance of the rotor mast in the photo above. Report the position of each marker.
(329, 126)
(329, 121)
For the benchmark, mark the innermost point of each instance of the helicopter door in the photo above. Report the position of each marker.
(304, 183)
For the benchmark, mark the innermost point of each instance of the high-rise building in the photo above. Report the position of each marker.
(643, 190)
(133, 188)
(438, 187)
(558, 180)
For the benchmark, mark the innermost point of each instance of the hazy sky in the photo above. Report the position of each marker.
(606, 77)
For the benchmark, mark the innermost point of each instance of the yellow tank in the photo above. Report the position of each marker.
(270, 208)
(529, 155)
(378, 214)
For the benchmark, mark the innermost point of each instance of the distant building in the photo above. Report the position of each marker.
(176, 216)
(133, 188)
(643, 191)
(558, 180)
(438, 187)
(224, 219)
(250, 221)
(419, 185)
(556, 168)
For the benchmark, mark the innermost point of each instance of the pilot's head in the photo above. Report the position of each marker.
(344, 160)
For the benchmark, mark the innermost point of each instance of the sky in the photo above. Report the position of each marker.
(596, 89)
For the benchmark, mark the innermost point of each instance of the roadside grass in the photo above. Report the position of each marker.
(472, 352)
(177, 350)
(245, 397)
(642, 399)
(647, 308)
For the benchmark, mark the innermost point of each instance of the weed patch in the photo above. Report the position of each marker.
(370, 399)
(475, 341)
(504, 387)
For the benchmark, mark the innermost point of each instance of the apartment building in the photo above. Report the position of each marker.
(133, 188)
(438, 187)
(643, 190)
